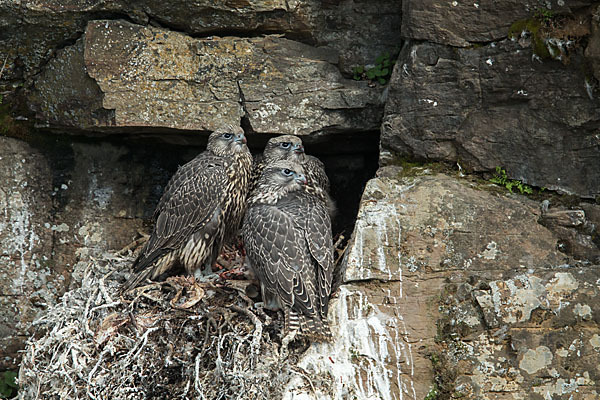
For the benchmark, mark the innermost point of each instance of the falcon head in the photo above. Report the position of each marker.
(283, 174)
(286, 147)
(277, 180)
(227, 140)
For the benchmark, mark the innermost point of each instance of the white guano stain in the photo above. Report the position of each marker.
(101, 196)
(17, 225)
(375, 247)
(371, 356)
(365, 358)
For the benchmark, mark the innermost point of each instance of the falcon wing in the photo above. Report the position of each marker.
(279, 256)
(315, 171)
(180, 176)
(258, 165)
(192, 203)
(312, 215)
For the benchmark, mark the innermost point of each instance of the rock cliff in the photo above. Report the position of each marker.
(453, 287)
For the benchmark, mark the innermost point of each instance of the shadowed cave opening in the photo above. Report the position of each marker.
(143, 163)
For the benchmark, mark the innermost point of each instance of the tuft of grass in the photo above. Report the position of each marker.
(534, 27)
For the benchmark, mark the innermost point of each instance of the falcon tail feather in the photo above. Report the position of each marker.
(313, 328)
(142, 272)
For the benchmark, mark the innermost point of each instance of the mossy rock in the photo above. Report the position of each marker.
(534, 27)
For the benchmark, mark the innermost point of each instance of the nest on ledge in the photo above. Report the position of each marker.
(175, 339)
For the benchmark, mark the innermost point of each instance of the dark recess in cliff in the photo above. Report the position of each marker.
(350, 161)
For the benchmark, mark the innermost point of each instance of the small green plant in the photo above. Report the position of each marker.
(501, 179)
(544, 15)
(381, 72)
(433, 393)
(354, 354)
(8, 385)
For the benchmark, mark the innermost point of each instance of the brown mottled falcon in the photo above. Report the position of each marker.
(289, 147)
(287, 235)
(201, 208)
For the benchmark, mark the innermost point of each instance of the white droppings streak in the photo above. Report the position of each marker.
(371, 356)
(22, 236)
(373, 226)
(365, 357)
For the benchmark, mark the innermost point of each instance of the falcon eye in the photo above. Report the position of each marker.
(285, 145)
(287, 172)
(227, 135)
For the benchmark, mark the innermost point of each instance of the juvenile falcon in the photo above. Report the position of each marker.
(202, 207)
(287, 235)
(289, 147)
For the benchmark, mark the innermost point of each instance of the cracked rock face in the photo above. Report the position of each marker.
(495, 104)
(150, 77)
(34, 30)
(445, 282)
(461, 24)
(483, 107)
(464, 280)
(63, 204)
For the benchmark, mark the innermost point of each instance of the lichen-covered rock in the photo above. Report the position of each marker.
(150, 77)
(456, 290)
(463, 23)
(65, 202)
(28, 282)
(493, 106)
(539, 332)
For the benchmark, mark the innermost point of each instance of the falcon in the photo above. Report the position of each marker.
(287, 236)
(201, 208)
(289, 147)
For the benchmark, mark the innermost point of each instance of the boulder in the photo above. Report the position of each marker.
(130, 76)
(491, 106)
(452, 289)
(34, 31)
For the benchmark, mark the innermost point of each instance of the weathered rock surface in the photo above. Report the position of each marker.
(33, 30)
(27, 281)
(442, 273)
(64, 203)
(151, 77)
(460, 23)
(495, 106)
(448, 287)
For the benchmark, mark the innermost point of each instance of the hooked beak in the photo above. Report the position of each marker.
(300, 178)
(240, 138)
(298, 148)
